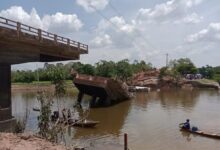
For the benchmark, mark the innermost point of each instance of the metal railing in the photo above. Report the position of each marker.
(40, 34)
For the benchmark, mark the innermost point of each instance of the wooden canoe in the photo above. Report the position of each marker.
(80, 123)
(202, 133)
(85, 123)
(36, 109)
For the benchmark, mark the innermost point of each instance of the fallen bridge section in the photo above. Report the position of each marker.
(104, 91)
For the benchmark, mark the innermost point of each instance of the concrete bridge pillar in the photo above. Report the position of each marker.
(6, 120)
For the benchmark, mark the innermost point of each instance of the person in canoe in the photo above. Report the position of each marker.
(186, 125)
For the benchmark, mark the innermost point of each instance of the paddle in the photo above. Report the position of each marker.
(181, 125)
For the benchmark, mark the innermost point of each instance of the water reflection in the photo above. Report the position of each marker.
(183, 98)
(169, 99)
(112, 120)
(141, 100)
(186, 135)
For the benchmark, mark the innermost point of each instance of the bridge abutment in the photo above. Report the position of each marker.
(7, 122)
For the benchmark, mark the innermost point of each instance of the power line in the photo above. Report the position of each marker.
(140, 34)
(110, 4)
(136, 31)
(103, 16)
(116, 27)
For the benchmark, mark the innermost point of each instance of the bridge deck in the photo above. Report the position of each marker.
(21, 43)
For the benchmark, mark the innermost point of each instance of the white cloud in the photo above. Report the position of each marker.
(121, 24)
(160, 10)
(101, 41)
(62, 22)
(170, 11)
(19, 14)
(92, 5)
(118, 39)
(117, 24)
(192, 18)
(210, 34)
(138, 38)
(191, 3)
(59, 22)
(122, 33)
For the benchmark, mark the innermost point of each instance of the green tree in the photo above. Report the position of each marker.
(78, 67)
(184, 66)
(207, 71)
(216, 74)
(23, 76)
(123, 69)
(68, 68)
(42, 74)
(84, 68)
(140, 66)
(163, 72)
(88, 69)
(44, 117)
(106, 68)
(57, 76)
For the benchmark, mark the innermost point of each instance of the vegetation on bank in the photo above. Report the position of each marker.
(183, 66)
(122, 70)
(48, 129)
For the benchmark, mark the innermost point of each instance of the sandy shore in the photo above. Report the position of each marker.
(9, 141)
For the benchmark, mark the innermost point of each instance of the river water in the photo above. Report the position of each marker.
(150, 120)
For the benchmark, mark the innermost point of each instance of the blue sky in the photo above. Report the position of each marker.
(128, 29)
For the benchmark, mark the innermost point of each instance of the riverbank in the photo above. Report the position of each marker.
(42, 85)
(10, 141)
(202, 83)
(154, 80)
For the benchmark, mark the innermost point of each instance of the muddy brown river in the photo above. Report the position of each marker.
(150, 119)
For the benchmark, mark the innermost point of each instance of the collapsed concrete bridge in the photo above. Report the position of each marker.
(20, 43)
(104, 91)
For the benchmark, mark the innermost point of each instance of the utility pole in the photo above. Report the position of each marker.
(167, 59)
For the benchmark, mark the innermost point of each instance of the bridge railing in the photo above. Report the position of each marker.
(41, 34)
(95, 79)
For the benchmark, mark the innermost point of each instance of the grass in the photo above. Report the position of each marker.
(43, 83)
(71, 89)
(216, 77)
(206, 81)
